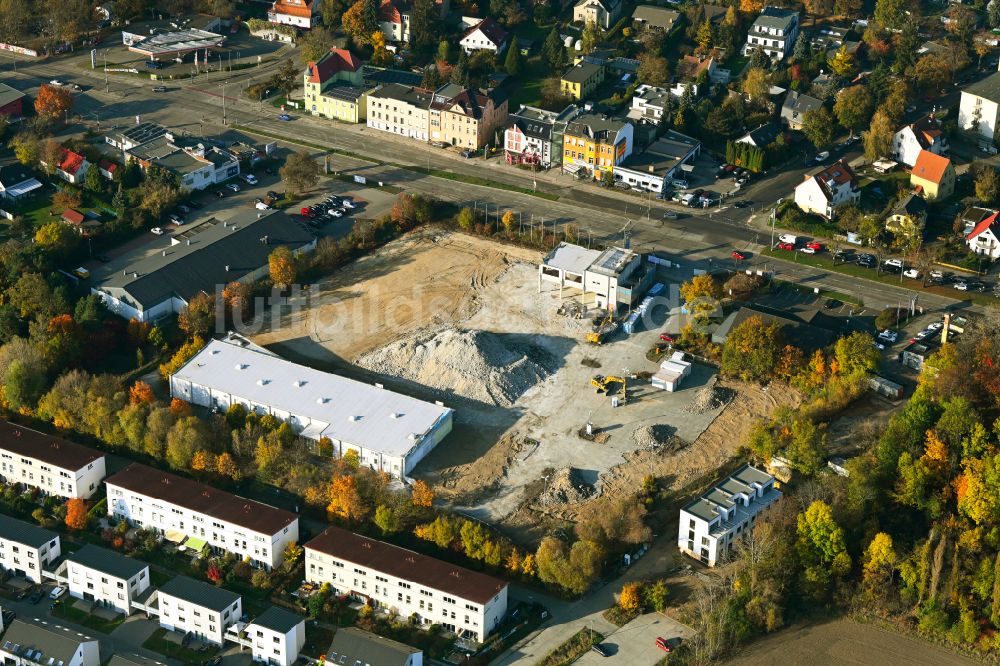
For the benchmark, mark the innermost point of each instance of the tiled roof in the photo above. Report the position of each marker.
(689, 67)
(61, 453)
(107, 165)
(390, 12)
(336, 60)
(988, 223)
(73, 216)
(301, 9)
(490, 29)
(930, 167)
(71, 162)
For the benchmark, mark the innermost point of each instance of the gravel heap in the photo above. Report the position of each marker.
(566, 487)
(478, 365)
(710, 398)
(656, 437)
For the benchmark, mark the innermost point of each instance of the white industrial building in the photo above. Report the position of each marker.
(204, 610)
(671, 373)
(615, 276)
(389, 431)
(52, 465)
(26, 549)
(196, 515)
(106, 577)
(47, 644)
(464, 602)
(711, 524)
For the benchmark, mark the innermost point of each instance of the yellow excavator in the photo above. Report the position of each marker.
(603, 330)
(603, 384)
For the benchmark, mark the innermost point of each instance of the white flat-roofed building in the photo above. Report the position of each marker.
(613, 277)
(710, 524)
(197, 515)
(389, 431)
(106, 577)
(55, 466)
(188, 605)
(35, 644)
(465, 602)
(26, 549)
(276, 637)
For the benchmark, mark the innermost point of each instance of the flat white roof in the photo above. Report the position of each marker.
(354, 412)
(572, 258)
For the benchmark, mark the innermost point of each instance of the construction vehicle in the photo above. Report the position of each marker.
(603, 329)
(603, 384)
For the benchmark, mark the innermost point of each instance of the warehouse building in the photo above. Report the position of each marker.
(389, 431)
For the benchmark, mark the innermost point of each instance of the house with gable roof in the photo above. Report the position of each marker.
(334, 88)
(827, 189)
(984, 238)
(933, 176)
(923, 134)
(487, 34)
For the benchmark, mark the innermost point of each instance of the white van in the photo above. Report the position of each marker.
(788, 238)
(687, 199)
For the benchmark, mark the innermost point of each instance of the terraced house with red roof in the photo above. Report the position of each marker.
(334, 87)
(468, 603)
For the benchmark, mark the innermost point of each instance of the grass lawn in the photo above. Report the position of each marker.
(573, 649)
(158, 643)
(67, 612)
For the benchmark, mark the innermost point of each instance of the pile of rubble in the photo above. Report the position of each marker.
(710, 398)
(656, 437)
(566, 487)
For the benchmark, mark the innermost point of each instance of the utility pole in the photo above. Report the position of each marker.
(223, 102)
(107, 89)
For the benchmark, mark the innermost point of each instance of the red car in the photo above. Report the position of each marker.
(785, 246)
(304, 211)
(738, 256)
(666, 337)
(813, 245)
(667, 644)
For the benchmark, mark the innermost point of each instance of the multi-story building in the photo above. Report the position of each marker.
(933, 176)
(535, 136)
(595, 144)
(276, 637)
(796, 106)
(774, 31)
(334, 87)
(648, 103)
(37, 644)
(924, 134)
(487, 35)
(196, 165)
(55, 466)
(106, 577)
(979, 109)
(828, 189)
(26, 549)
(662, 162)
(394, 20)
(399, 109)
(352, 645)
(193, 606)
(465, 602)
(907, 217)
(984, 238)
(297, 13)
(199, 515)
(581, 80)
(603, 13)
(711, 524)
(463, 117)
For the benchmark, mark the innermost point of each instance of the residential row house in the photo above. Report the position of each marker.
(581, 80)
(594, 144)
(31, 643)
(53, 465)
(195, 607)
(923, 134)
(711, 524)
(276, 637)
(401, 110)
(464, 117)
(334, 88)
(535, 136)
(774, 31)
(25, 549)
(465, 602)
(199, 515)
(106, 578)
(826, 190)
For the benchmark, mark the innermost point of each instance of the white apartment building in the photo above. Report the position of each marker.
(197, 515)
(188, 605)
(26, 549)
(710, 524)
(464, 602)
(34, 644)
(276, 637)
(979, 108)
(106, 577)
(55, 466)
(774, 31)
(827, 189)
(401, 110)
(924, 134)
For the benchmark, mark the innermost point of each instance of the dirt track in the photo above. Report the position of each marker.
(845, 642)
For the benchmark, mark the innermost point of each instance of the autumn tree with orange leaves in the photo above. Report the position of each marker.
(345, 500)
(422, 495)
(141, 393)
(53, 101)
(76, 514)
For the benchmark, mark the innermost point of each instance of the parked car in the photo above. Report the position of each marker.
(285, 117)
(785, 246)
(738, 256)
(666, 337)
(889, 336)
(273, 194)
(791, 239)
(807, 250)
(867, 260)
(56, 82)
(159, 89)
(335, 213)
(600, 649)
(960, 286)
(36, 595)
(347, 203)
(822, 156)
(936, 274)
(439, 144)
(668, 644)
(670, 215)
(176, 219)
(57, 592)
(893, 263)
(468, 152)
(8, 616)
(742, 203)
(220, 193)
(157, 230)
(250, 178)
(233, 186)
(815, 246)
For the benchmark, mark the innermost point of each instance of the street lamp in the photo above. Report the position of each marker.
(223, 102)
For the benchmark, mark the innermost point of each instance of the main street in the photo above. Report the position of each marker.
(704, 237)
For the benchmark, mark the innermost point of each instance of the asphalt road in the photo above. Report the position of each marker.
(701, 236)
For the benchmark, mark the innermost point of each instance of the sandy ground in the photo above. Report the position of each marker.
(845, 642)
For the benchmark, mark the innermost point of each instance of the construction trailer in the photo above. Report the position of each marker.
(671, 373)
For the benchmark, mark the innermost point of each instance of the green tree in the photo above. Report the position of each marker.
(554, 51)
(512, 63)
(197, 318)
(27, 148)
(387, 519)
(986, 182)
(806, 449)
(818, 125)
(751, 349)
(474, 536)
(57, 237)
(300, 172)
(653, 69)
(186, 437)
(360, 21)
(891, 14)
(315, 44)
(856, 354)
(854, 107)
(93, 180)
(424, 25)
(703, 37)
(466, 218)
(878, 138)
(591, 37)
(821, 548)
(879, 563)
